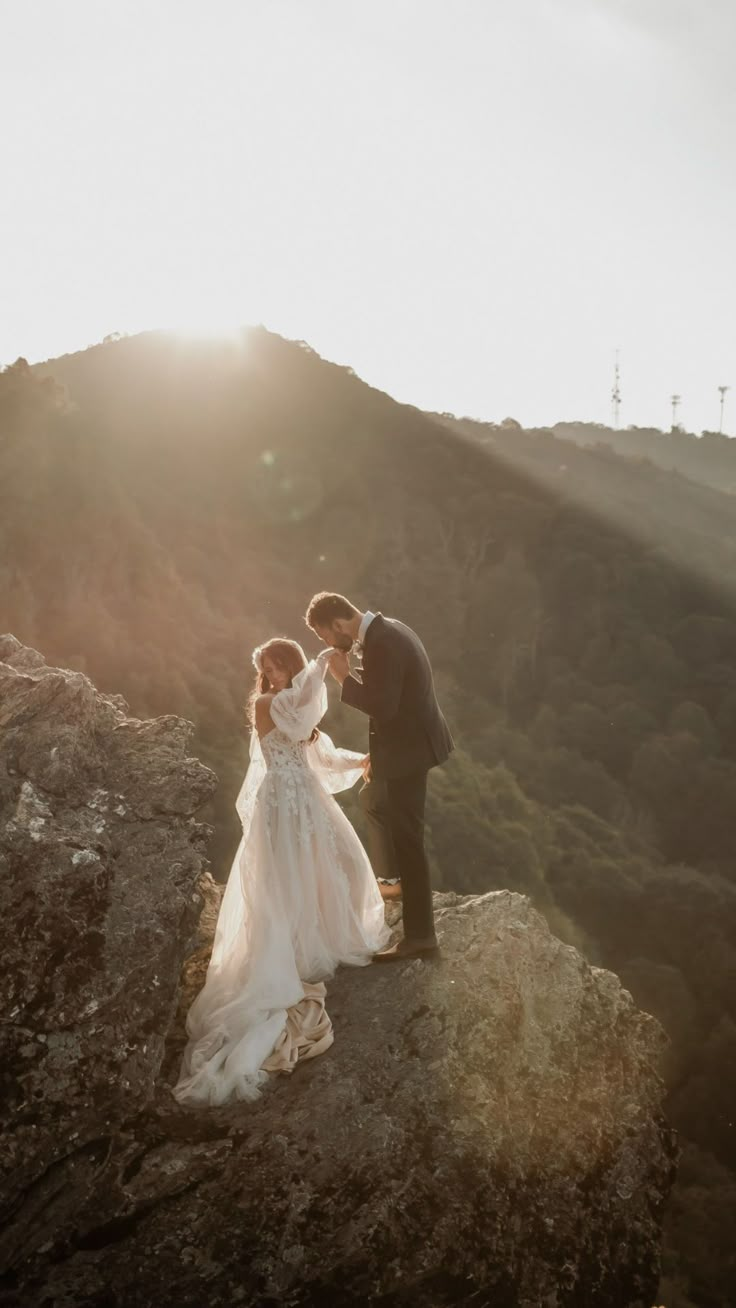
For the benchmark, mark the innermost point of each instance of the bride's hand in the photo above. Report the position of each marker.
(339, 665)
(366, 765)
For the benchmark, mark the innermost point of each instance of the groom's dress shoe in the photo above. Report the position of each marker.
(390, 890)
(407, 949)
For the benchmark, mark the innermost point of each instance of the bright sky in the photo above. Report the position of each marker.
(471, 203)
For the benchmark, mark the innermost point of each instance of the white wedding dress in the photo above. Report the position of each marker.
(300, 899)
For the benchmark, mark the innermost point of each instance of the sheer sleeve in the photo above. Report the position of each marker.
(230, 918)
(297, 710)
(337, 769)
(251, 783)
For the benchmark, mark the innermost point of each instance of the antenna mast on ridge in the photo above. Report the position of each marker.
(722, 392)
(674, 401)
(616, 393)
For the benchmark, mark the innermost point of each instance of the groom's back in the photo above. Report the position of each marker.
(417, 737)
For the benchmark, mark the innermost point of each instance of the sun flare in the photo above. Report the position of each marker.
(209, 327)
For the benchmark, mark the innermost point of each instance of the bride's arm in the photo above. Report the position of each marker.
(345, 760)
(297, 710)
(337, 769)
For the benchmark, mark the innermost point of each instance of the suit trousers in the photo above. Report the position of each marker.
(394, 809)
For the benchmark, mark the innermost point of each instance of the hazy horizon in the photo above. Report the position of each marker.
(472, 209)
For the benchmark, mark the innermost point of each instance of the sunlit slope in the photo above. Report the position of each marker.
(683, 515)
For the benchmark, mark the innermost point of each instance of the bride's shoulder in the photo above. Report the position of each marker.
(263, 711)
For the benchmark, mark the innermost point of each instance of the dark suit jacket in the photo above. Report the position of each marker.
(407, 732)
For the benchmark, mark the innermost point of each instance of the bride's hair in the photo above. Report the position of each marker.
(287, 655)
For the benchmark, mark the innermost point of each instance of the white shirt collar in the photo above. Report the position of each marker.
(365, 624)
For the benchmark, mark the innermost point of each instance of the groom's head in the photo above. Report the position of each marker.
(334, 619)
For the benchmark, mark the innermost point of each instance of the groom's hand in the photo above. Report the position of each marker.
(339, 665)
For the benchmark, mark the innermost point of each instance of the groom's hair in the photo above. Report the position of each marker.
(325, 607)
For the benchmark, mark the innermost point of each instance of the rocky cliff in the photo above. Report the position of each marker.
(486, 1130)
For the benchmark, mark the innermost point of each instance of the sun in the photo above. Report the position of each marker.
(208, 326)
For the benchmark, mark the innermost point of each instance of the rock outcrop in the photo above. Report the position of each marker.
(99, 860)
(486, 1130)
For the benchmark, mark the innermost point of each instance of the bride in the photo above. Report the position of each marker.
(300, 898)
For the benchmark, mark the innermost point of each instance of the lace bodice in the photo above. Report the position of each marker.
(281, 754)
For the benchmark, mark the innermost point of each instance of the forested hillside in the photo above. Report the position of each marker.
(165, 506)
(683, 517)
(709, 458)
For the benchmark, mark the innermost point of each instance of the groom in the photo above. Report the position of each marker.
(407, 736)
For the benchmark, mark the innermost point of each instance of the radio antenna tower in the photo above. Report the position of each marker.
(722, 392)
(675, 401)
(616, 393)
